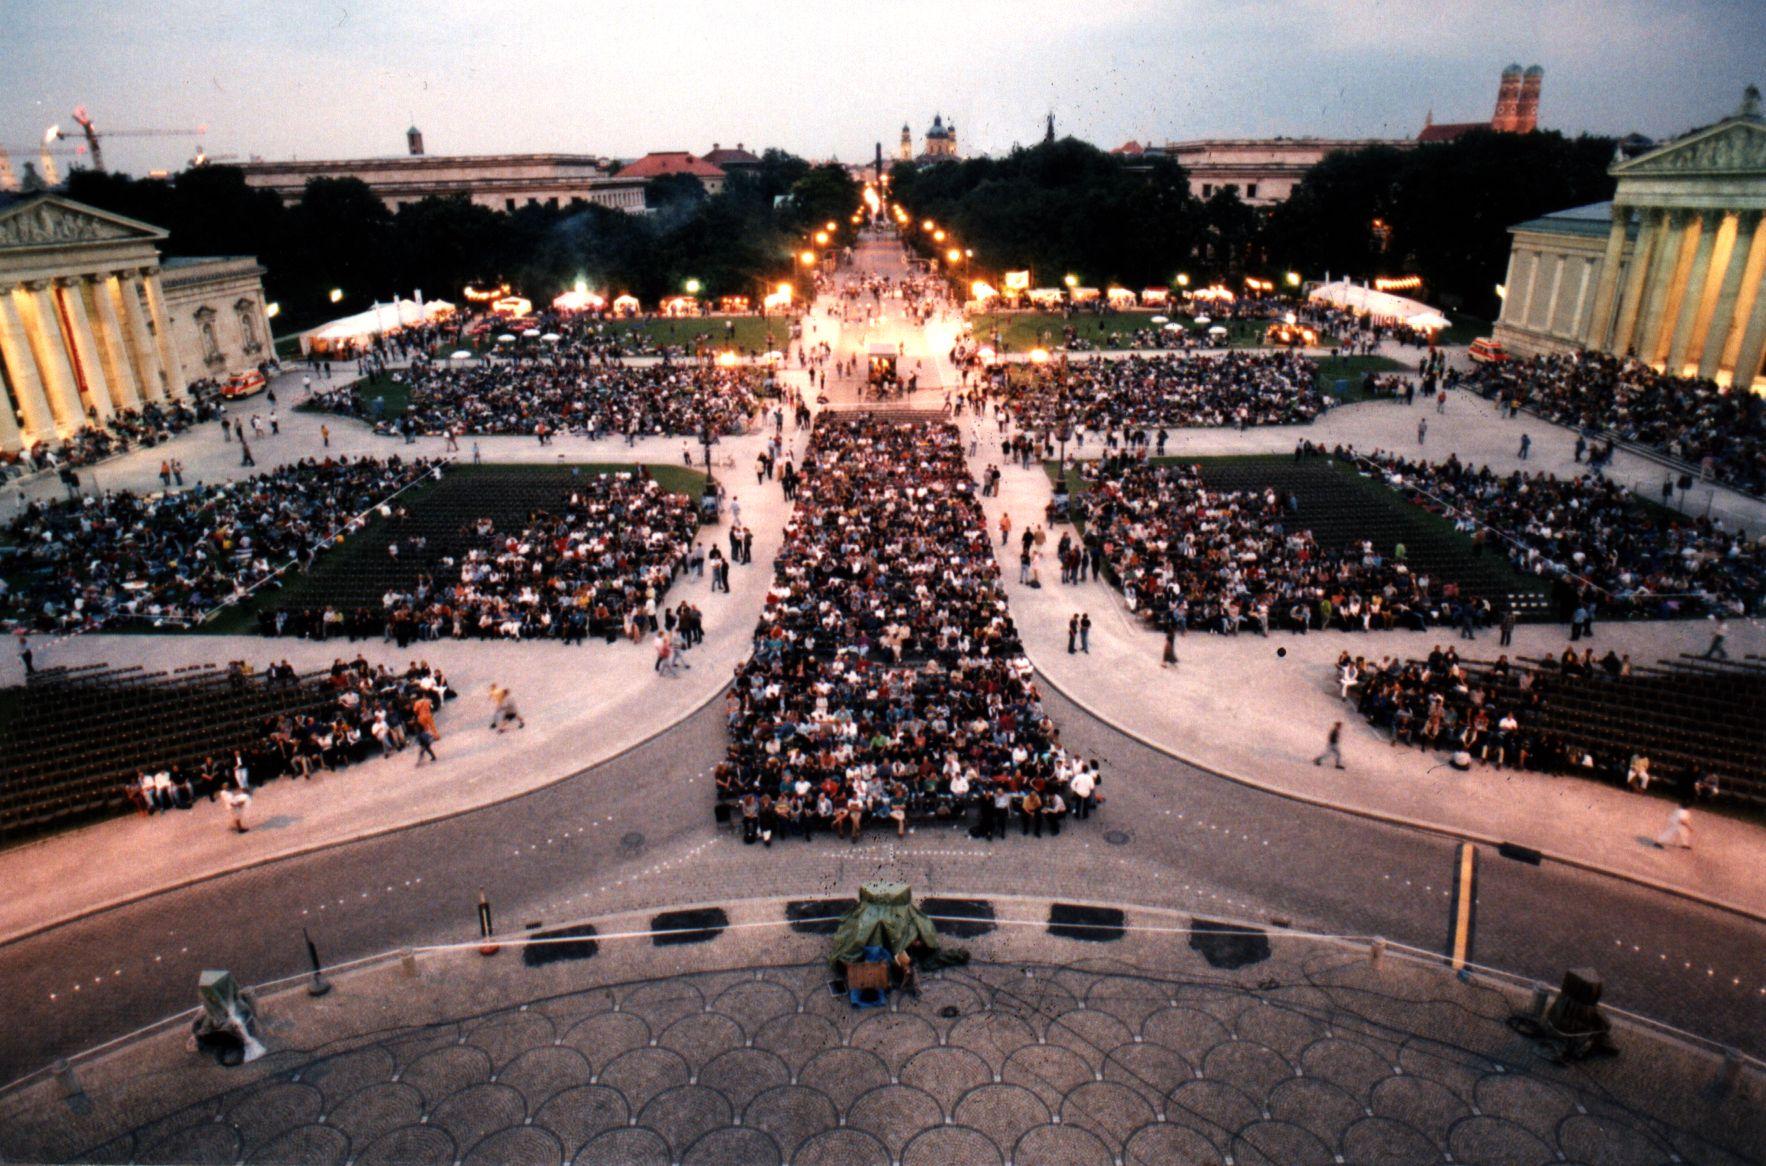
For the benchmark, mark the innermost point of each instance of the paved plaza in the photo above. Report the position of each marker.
(1158, 1041)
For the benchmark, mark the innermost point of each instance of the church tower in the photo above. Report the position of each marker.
(1527, 108)
(1508, 101)
(414, 140)
(906, 153)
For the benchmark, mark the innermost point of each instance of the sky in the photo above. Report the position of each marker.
(343, 78)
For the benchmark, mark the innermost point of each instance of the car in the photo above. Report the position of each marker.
(1485, 350)
(244, 384)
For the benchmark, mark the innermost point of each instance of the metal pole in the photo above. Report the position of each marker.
(485, 931)
(318, 986)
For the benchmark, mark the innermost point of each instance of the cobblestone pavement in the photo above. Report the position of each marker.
(1227, 1051)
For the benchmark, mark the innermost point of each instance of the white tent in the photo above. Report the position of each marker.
(376, 321)
(1378, 304)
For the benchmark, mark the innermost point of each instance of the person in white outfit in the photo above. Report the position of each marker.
(1679, 829)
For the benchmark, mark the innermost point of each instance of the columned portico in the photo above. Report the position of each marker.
(1681, 268)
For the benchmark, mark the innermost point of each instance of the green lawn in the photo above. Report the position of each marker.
(1023, 331)
(396, 393)
(750, 333)
(1351, 369)
(1464, 329)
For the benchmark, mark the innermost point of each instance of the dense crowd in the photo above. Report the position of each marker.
(364, 711)
(1593, 535)
(126, 429)
(599, 565)
(169, 557)
(1234, 388)
(887, 680)
(1721, 431)
(1188, 557)
(572, 395)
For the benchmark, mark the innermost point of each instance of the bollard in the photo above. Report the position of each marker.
(1729, 1076)
(1541, 1001)
(408, 961)
(485, 931)
(66, 1078)
(1376, 949)
(318, 985)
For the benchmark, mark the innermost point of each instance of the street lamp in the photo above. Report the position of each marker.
(938, 235)
(336, 294)
(1183, 279)
(1293, 279)
(1071, 280)
(953, 255)
(807, 258)
(693, 286)
(822, 238)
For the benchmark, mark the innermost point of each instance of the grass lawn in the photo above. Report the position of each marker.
(287, 347)
(1023, 331)
(1464, 329)
(1351, 369)
(508, 493)
(751, 333)
(396, 393)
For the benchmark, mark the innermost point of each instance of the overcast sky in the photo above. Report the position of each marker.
(343, 78)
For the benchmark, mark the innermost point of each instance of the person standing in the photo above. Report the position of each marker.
(1082, 787)
(1508, 625)
(1526, 446)
(1005, 529)
(1679, 829)
(1085, 633)
(25, 655)
(325, 435)
(1168, 658)
(1422, 429)
(1073, 634)
(238, 801)
(1333, 746)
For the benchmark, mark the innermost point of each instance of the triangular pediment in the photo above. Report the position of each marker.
(1737, 146)
(53, 221)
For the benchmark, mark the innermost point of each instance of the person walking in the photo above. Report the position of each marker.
(238, 801)
(425, 746)
(1526, 446)
(504, 710)
(245, 458)
(1719, 633)
(1422, 429)
(1168, 658)
(1005, 529)
(1678, 832)
(325, 435)
(1333, 746)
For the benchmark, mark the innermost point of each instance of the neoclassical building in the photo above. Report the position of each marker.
(91, 321)
(1672, 271)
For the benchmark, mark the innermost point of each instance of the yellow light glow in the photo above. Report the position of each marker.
(1293, 279)
(953, 255)
(1070, 280)
(927, 225)
(693, 286)
(938, 235)
(581, 287)
(1039, 356)
(808, 258)
(1182, 280)
(832, 225)
(822, 238)
(981, 291)
(272, 310)
(726, 359)
(336, 294)
(785, 290)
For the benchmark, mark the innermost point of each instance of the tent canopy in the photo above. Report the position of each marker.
(1378, 304)
(885, 917)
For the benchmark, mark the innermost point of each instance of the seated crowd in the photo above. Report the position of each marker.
(1592, 533)
(1686, 418)
(1234, 388)
(91, 562)
(1504, 713)
(887, 679)
(572, 395)
(599, 566)
(126, 429)
(365, 711)
(1188, 557)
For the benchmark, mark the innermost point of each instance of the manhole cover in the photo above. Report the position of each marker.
(950, 1012)
(632, 841)
(1116, 837)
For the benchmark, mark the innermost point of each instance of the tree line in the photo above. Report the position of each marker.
(1438, 210)
(339, 235)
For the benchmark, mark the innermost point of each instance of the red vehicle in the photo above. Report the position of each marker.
(1485, 350)
(244, 384)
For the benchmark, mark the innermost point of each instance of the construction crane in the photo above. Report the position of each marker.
(202, 158)
(84, 120)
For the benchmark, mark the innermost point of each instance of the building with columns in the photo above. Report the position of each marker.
(1672, 271)
(87, 318)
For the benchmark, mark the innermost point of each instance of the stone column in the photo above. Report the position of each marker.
(35, 420)
(147, 366)
(1753, 342)
(162, 333)
(43, 326)
(113, 342)
(1642, 259)
(1658, 303)
(1693, 298)
(90, 365)
(1600, 323)
(1723, 311)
